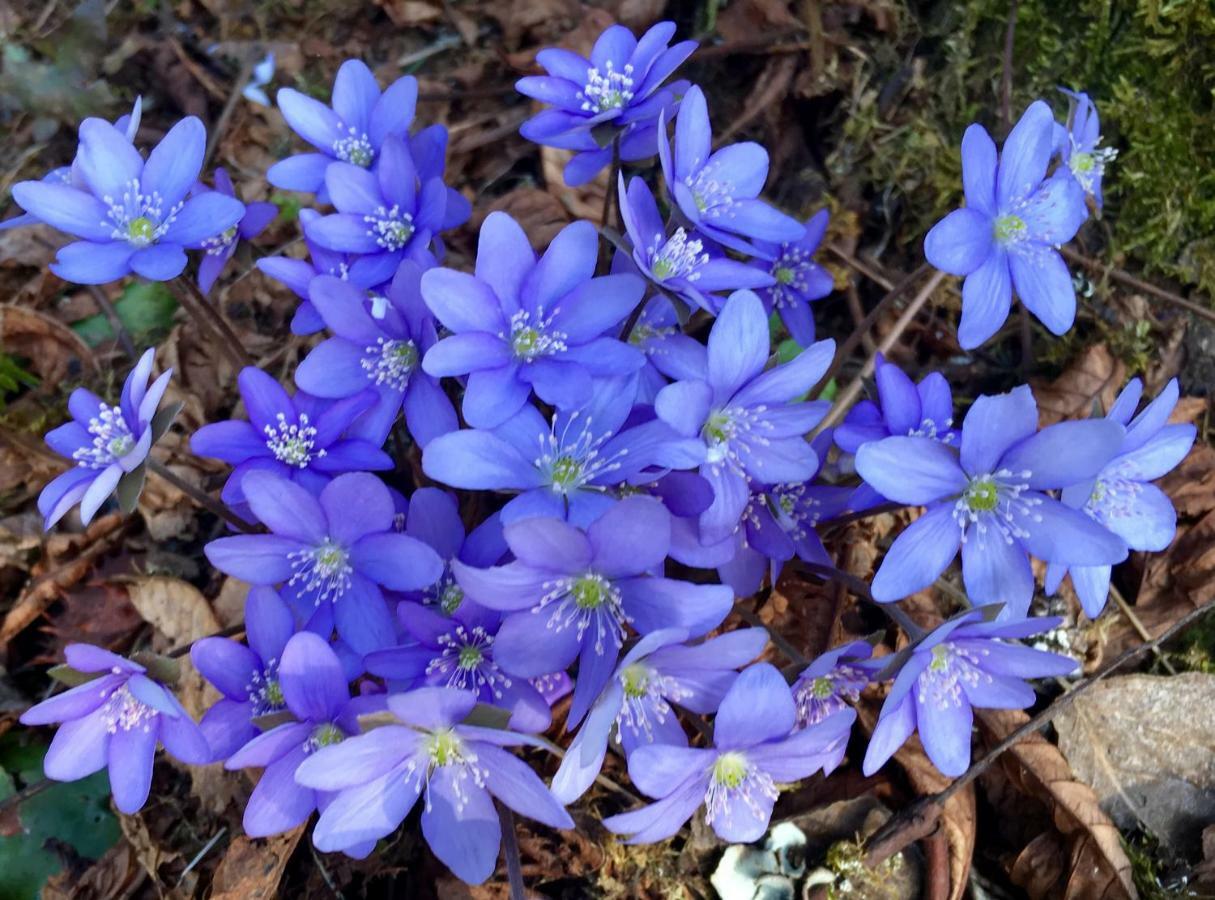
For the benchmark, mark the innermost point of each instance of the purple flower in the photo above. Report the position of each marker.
(679, 263)
(387, 212)
(618, 91)
(520, 325)
(131, 216)
(460, 768)
(963, 664)
(247, 677)
(717, 190)
(378, 345)
(568, 468)
(753, 751)
(988, 499)
(107, 443)
(1078, 144)
(573, 593)
(745, 416)
(338, 548)
(115, 720)
(313, 688)
(367, 273)
(669, 352)
(832, 681)
(457, 651)
(1006, 235)
(352, 130)
(903, 408)
(221, 247)
(296, 437)
(799, 280)
(1121, 496)
(658, 672)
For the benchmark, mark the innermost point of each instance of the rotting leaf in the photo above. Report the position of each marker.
(1097, 867)
(1094, 377)
(252, 869)
(175, 608)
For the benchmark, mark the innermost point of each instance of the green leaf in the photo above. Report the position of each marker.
(830, 389)
(163, 419)
(787, 350)
(145, 309)
(485, 716)
(130, 486)
(65, 674)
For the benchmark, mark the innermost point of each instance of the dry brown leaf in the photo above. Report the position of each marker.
(1097, 867)
(770, 88)
(56, 353)
(583, 202)
(175, 608)
(1094, 376)
(1189, 411)
(251, 869)
(539, 213)
(148, 851)
(411, 13)
(117, 874)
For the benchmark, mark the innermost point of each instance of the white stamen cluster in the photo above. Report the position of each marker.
(264, 690)
(391, 228)
(997, 501)
(817, 698)
(445, 593)
(215, 246)
(292, 442)
(648, 695)
(791, 271)
(354, 147)
(530, 340)
(609, 89)
(587, 603)
(324, 570)
(137, 218)
(1113, 497)
(390, 361)
(676, 256)
(929, 429)
(713, 197)
(952, 667)
(734, 777)
(442, 749)
(645, 337)
(731, 429)
(325, 735)
(571, 465)
(123, 712)
(112, 439)
(1088, 166)
(467, 663)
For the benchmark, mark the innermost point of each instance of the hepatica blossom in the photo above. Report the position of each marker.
(902, 408)
(989, 500)
(797, 279)
(458, 770)
(1078, 144)
(1006, 235)
(519, 324)
(833, 681)
(962, 665)
(754, 749)
(220, 248)
(339, 548)
(298, 437)
(617, 94)
(679, 262)
(115, 720)
(573, 594)
(351, 130)
(746, 417)
(130, 215)
(658, 673)
(717, 190)
(1121, 496)
(107, 443)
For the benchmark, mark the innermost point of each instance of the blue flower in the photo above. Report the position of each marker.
(106, 443)
(221, 247)
(717, 190)
(680, 263)
(568, 468)
(300, 437)
(1121, 496)
(832, 681)
(1078, 144)
(520, 324)
(1006, 235)
(131, 216)
(903, 408)
(754, 749)
(989, 500)
(747, 418)
(798, 279)
(378, 343)
(353, 130)
(965, 663)
(619, 89)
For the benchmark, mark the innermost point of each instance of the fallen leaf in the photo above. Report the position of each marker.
(539, 213)
(56, 353)
(175, 608)
(1096, 866)
(117, 874)
(410, 13)
(252, 869)
(1135, 739)
(1095, 376)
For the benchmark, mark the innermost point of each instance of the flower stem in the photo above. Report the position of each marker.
(210, 318)
(613, 178)
(111, 314)
(510, 850)
(899, 616)
(206, 501)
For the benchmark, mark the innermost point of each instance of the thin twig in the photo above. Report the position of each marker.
(230, 631)
(111, 314)
(203, 310)
(880, 509)
(221, 124)
(510, 850)
(1027, 344)
(848, 396)
(1138, 284)
(868, 269)
(1137, 624)
(920, 819)
(780, 642)
(1006, 74)
(203, 499)
(30, 790)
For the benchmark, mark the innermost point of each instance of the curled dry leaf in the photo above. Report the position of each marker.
(175, 608)
(117, 874)
(252, 869)
(1093, 377)
(1093, 865)
(56, 353)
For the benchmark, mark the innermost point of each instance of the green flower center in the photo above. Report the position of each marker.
(470, 657)
(822, 687)
(1009, 228)
(1098, 493)
(524, 341)
(589, 592)
(121, 445)
(330, 557)
(273, 693)
(719, 428)
(783, 275)
(982, 495)
(940, 658)
(1082, 162)
(445, 748)
(730, 770)
(566, 473)
(451, 598)
(327, 735)
(635, 679)
(663, 268)
(141, 231)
